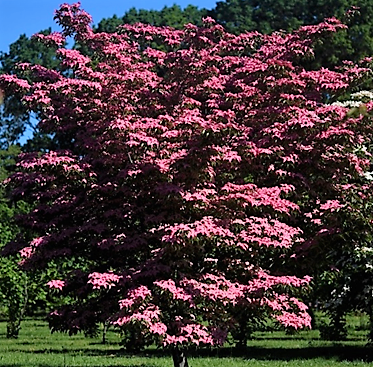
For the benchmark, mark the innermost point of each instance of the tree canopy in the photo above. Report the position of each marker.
(196, 177)
(236, 16)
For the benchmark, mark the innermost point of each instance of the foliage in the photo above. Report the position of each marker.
(173, 16)
(19, 292)
(13, 294)
(197, 177)
(14, 116)
(236, 15)
(274, 15)
(12, 280)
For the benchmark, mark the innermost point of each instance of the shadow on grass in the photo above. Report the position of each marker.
(340, 353)
(47, 365)
(337, 352)
(118, 352)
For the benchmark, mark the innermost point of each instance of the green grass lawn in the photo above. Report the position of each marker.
(36, 346)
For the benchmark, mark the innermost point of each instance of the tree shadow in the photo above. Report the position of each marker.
(117, 352)
(46, 365)
(337, 352)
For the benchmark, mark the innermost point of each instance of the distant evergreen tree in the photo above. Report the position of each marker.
(173, 16)
(14, 117)
(267, 16)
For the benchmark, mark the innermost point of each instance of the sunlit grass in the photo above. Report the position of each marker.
(37, 347)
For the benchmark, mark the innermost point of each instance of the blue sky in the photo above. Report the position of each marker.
(31, 16)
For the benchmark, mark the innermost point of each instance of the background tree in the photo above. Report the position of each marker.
(238, 16)
(13, 281)
(14, 116)
(172, 16)
(268, 16)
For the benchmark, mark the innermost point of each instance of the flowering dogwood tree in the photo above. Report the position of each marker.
(195, 173)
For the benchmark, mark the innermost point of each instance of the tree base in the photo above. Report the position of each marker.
(179, 358)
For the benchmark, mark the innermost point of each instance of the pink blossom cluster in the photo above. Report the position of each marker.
(15, 81)
(267, 233)
(56, 284)
(73, 19)
(147, 314)
(283, 308)
(190, 334)
(215, 288)
(53, 158)
(289, 319)
(27, 252)
(134, 295)
(266, 281)
(254, 196)
(55, 39)
(103, 280)
(72, 58)
(177, 292)
(331, 205)
(207, 226)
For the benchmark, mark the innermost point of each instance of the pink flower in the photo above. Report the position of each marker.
(158, 328)
(295, 321)
(103, 280)
(134, 296)
(56, 284)
(53, 39)
(331, 205)
(26, 252)
(177, 292)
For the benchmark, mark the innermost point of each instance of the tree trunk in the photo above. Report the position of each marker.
(179, 358)
(106, 325)
(370, 335)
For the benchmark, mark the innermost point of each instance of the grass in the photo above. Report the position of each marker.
(37, 347)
